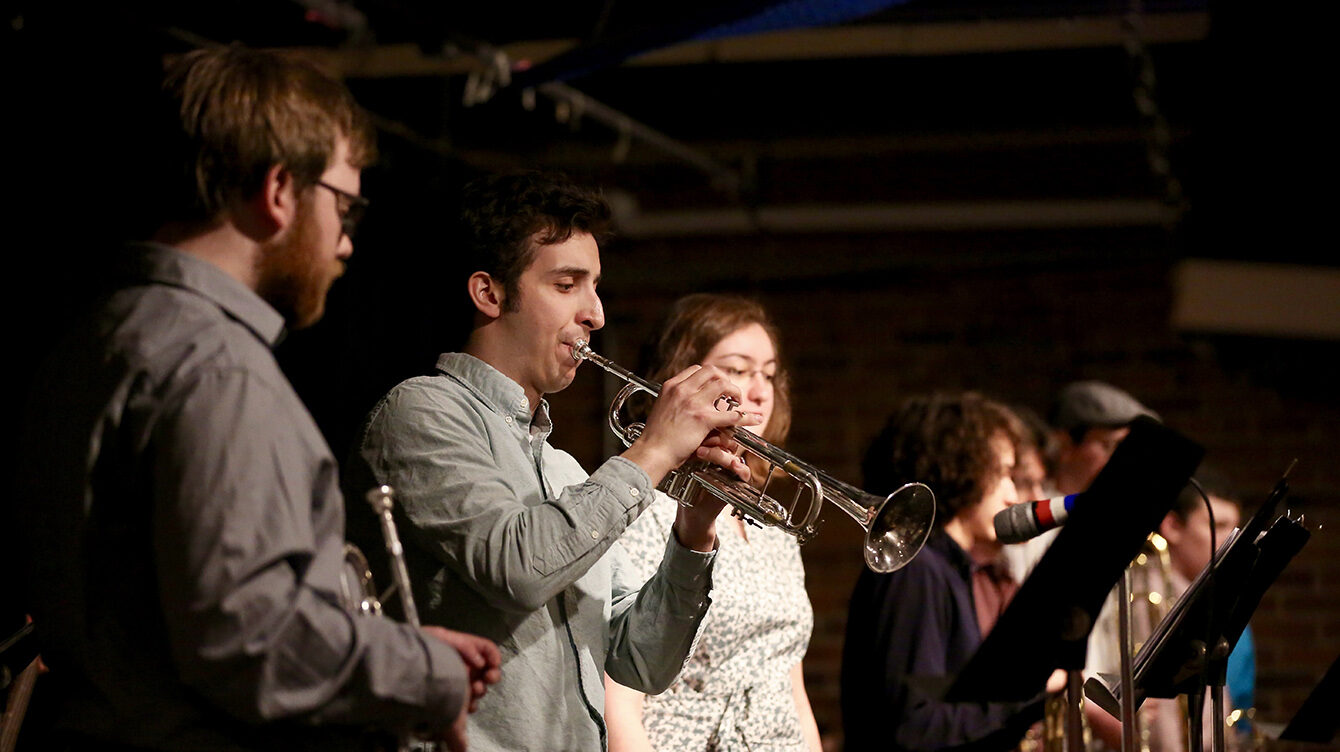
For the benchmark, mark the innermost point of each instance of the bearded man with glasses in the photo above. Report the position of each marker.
(183, 530)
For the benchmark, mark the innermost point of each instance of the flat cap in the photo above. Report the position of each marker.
(1095, 403)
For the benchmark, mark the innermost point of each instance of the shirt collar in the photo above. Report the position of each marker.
(503, 395)
(163, 264)
(957, 557)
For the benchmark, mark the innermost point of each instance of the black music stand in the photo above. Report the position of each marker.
(1188, 651)
(1317, 719)
(1047, 624)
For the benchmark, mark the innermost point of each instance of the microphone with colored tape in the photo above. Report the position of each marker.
(1020, 522)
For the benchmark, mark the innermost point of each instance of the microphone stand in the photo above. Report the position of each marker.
(1073, 655)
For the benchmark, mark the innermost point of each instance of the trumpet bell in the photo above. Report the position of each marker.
(899, 528)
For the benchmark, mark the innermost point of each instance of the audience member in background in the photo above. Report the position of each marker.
(926, 619)
(743, 687)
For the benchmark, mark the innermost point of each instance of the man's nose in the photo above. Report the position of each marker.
(593, 315)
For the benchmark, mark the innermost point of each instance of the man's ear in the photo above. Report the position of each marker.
(487, 294)
(275, 205)
(1063, 440)
(1171, 528)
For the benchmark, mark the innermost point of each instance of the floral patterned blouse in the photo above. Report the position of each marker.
(735, 690)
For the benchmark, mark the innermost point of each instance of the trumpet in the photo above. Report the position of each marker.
(896, 525)
(359, 595)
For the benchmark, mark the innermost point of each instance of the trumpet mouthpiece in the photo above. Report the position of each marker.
(580, 350)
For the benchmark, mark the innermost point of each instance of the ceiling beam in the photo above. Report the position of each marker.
(877, 40)
(890, 217)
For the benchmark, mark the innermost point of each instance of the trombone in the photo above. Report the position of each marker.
(896, 525)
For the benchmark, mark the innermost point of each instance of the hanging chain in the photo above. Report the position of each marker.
(1154, 128)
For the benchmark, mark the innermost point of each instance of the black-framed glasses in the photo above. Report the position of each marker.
(351, 208)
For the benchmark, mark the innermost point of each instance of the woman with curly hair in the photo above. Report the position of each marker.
(742, 689)
(926, 619)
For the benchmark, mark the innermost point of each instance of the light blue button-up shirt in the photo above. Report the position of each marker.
(509, 538)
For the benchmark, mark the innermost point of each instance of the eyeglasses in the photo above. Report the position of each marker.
(351, 208)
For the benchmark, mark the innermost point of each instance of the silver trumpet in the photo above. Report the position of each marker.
(896, 525)
(359, 595)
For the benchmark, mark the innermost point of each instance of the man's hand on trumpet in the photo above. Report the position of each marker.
(685, 422)
(688, 421)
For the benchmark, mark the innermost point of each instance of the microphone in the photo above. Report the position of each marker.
(1021, 522)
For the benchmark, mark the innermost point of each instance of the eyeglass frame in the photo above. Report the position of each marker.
(353, 212)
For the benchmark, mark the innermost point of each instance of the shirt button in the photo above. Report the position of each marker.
(634, 492)
(508, 420)
(595, 535)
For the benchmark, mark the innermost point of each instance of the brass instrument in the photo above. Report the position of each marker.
(1149, 598)
(359, 595)
(896, 526)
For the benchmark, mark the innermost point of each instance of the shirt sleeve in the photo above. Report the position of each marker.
(239, 560)
(644, 540)
(914, 614)
(655, 623)
(484, 521)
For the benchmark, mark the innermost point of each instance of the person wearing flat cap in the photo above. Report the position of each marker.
(1090, 419)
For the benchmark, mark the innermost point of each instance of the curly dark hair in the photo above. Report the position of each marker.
(506, 218)
(944, 441)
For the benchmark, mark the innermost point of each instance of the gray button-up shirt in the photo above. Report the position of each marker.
(186, 535)
(509, 538)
